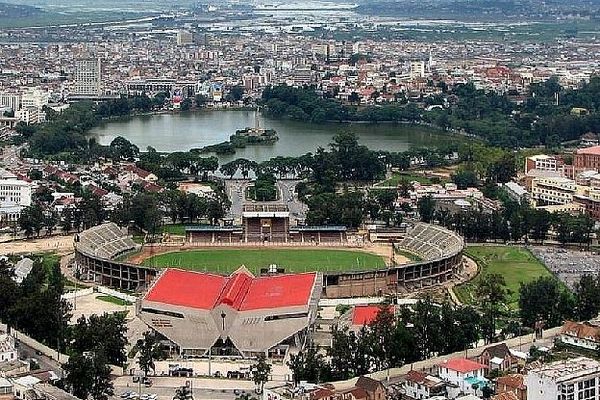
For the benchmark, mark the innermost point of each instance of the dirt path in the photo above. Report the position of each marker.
(58, 244)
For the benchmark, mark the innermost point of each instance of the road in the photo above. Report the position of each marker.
(236, 189)
(203, 388)
(45, 363)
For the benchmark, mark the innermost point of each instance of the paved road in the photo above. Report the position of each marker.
(203, 388)
(45, 363)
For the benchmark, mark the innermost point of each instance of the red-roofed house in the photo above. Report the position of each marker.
(235, 315)
(468, 375)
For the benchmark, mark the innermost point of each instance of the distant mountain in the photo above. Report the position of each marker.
(18, 11)
(489, 10)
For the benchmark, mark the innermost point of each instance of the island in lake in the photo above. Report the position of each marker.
(242, 138)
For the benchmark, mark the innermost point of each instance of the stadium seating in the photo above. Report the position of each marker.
(431, 242)
(105, 241)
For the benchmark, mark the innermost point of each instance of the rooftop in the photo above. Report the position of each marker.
(594, 150)
(567, 370)
(462, 365)
(241, 290)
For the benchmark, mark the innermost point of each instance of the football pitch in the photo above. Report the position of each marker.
(225, 261)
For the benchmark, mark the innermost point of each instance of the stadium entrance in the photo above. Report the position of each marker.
(266, 223)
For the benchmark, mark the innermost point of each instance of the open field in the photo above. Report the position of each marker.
(293, 260)
(114, 300)
(515, 264)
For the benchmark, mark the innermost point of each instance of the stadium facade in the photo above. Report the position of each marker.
(240, 315)
(438, 250)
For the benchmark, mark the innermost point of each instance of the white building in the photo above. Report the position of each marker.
(35, 98)
(8, 352)
(419, 385)
(184, 38)
(543, 162)
(87, 77)
(580, 334)
(417, 69)
(573, 379)
(15, 194)
(468, 375)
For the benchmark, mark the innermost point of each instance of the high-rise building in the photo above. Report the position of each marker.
(184, 38)
(88, 77)
(417, 69)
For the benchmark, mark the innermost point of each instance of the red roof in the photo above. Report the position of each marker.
(279, 291)
(594, 150)
(463, 365)
(188, 289)
(240, 291)
(364, 315)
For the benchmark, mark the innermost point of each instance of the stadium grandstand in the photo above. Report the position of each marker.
(436, 254)
(95, 251)
(239, 315)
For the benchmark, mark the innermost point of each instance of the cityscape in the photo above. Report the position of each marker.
(316, 200)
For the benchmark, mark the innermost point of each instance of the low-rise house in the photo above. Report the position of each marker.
(8, 351)
(374, 389)
(514, 384)
(419, 385)
(498, 357)
(468, 375)
(580, 334)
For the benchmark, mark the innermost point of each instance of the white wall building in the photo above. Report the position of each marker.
(184, 38)
(15, 194)
(35, 98)
(574, 379)
(10, 100)
(8, 352)
(464, 373)
(552, 190)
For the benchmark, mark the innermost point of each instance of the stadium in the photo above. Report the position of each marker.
(202, 313)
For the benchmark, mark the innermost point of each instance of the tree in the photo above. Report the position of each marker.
(464, 179)
(88, 375)
(309, 365)
(492, 292)
(426, 206)
(587, 294)
(261, 372)
(123, 149)
(354, 98)
(236, 93)
(544, 300)
(149, 352)
(31, 220)
(104, 334)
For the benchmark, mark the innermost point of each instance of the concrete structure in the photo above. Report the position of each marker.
(419, 385)
(11, 100)
(240, 315)
(15, 194)
(87, 78)
(572, 379)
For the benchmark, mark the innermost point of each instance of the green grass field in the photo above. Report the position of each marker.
(293, 260)
(515, 264)
(114, 300)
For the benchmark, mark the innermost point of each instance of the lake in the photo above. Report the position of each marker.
(184, 131)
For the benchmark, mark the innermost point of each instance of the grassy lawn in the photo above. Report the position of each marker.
(398, 176)
(515, 264)
(293, 260)
(114, 300)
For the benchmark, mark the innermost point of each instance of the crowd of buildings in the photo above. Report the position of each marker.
(550, 183)
(183, 63)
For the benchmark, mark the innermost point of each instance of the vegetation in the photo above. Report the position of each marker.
(293, 260)
(114, 300)
(515, 265)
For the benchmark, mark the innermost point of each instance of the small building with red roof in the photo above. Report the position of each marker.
(467, 374)
(238, 315)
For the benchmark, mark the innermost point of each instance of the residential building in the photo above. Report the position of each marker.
(374, 389)
(572, 379)
(14, 196)
(580, 334)
(552, 190)
(35, 98)
(88, 77)
(513, 383)
(589, 198)
(543, 162)
(497, 357)
(419, 385)
(468, 375)
(6, 389)
(417, 69)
